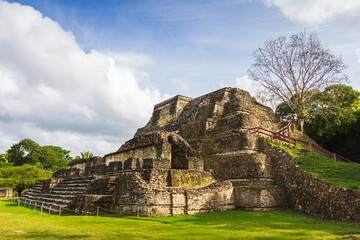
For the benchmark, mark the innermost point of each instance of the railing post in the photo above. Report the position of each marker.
(310, 147)
(334, 156)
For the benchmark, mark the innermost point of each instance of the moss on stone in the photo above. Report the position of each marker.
(190, 179)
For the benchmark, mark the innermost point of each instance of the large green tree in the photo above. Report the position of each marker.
(24, 152)
(29, 152)
(332, 112)
(54, 157)
(332, 119)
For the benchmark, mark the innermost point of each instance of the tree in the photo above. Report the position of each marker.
(4, 157)
(48, 157)
(22, 177)
(333, 119)
(290, 69)
(54, 158)
(24, 152)
(85, 154)
(333, 112)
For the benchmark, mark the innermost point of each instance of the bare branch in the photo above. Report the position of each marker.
(290, 69)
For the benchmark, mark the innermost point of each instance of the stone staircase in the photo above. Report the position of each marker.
(34, 194)
(61, 196)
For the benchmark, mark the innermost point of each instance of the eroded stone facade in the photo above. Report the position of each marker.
(194, 156)
(155, 174)
(307, 193)
(6, 192)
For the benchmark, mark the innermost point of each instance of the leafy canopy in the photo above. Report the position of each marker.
(332, 111)
(22, 177)
(29, 152)
(85, 154)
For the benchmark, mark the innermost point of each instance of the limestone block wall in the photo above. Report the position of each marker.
(133, 195)
(307, 193)
(167, 111)
(140, 153)
(241, 166)
(167, 150)
(6, 192)
(258, 198)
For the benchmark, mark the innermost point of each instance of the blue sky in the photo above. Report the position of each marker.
(85, 74)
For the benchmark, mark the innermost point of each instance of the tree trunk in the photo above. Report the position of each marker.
(301, 123)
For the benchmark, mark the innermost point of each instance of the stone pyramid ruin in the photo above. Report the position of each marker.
(195, 156)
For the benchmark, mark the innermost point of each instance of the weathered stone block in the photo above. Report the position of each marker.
(190, 178)
(178, 200)
(242, 166)
(259, 197)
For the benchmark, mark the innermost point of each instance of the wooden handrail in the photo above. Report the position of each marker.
(279, 135)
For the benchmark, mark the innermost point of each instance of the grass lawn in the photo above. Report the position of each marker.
(24, 223)
(339, 173)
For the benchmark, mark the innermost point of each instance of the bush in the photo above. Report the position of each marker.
(22, 177)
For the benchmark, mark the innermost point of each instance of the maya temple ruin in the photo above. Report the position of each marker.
(196, 156)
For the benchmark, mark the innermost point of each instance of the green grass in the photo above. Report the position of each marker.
(339, 173)
(24, 223)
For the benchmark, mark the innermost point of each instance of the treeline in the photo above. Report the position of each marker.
(332, 119)
(26, 163)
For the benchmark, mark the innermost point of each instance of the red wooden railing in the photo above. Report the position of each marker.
(281, 136)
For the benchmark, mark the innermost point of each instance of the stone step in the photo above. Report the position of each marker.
(62, 196)
(54, 206)
(72, 184)
(32, 199)
(28, 193)
(38, 184)
(55, 200)
(59, 191)
(252, 182)
(68, 189)
(77, 180)
(32, 196)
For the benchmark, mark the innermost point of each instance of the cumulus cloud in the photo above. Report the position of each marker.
(247, 84)
(318, 11)
(55, 93)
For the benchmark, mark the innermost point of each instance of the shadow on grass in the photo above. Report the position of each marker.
(52, 236)
(283, 221)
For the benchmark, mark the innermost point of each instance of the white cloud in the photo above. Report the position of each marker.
(318, 11)
(247, 84)
(181, 84)
(55, 93)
